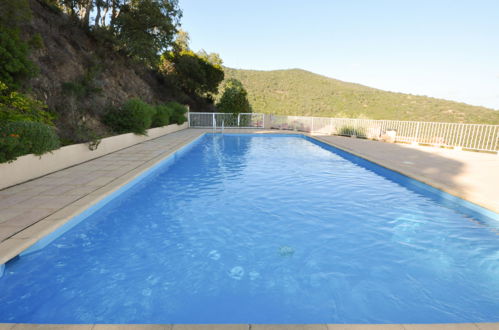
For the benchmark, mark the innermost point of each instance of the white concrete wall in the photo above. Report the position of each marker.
(29, 167)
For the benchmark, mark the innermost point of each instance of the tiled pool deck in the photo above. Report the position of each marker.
(33, 209)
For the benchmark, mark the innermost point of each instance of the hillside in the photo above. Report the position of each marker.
(80, 75)
(299, 92)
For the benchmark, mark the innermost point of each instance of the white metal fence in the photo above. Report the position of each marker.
(469, 136)
(227, 120)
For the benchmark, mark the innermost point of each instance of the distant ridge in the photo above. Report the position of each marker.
(300, 92)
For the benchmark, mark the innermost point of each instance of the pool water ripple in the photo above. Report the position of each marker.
(262, 229)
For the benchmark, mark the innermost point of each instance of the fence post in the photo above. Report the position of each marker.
(416, 138)
(461, 135)
(238, 119)
(188, 118)
(214, 122)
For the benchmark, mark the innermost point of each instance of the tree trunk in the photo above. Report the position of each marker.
(104, 15)
(88, 9)
(114, 11)
(98, 4)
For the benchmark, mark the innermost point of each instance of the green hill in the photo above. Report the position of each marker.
(299, 92)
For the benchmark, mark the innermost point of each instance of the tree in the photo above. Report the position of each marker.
(142, 28)
(234, 98)
(195, 73)
(14, 62)
(212, 58)
(145, 28)
(182, 41)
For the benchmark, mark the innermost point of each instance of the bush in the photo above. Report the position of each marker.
(15, 65)
(15, 106)
(162, 115)
(350, 130)
(234, 98)
(24, 137)
(134, 116)
(36, 41)
(178, 113)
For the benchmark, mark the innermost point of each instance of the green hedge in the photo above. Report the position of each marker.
(178, 113)
(24, 137)
(134, 116)
(162, 116)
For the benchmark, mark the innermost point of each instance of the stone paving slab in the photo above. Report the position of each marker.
(473, 176)
(289, 327)
(211, 326)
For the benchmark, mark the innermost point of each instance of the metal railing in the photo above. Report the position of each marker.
(468, 136)
(226, 120)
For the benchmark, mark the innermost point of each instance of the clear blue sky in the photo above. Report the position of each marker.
(441, 48)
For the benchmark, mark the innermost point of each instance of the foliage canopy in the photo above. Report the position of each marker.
(15, 65)
(196, 74)
(234, 98)
(146, 28)
(15, 106)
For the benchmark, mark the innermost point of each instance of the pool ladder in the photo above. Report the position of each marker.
(215, 127)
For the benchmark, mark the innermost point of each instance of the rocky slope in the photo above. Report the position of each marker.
(80, 77)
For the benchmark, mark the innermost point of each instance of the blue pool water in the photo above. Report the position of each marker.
(263, 229)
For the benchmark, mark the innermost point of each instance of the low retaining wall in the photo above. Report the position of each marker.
(29, 167)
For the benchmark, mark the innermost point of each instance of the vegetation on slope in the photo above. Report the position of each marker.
(299, 92)
(81, 70)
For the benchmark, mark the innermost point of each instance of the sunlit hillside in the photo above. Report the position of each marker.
(299, 92)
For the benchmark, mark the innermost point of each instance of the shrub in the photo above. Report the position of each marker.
(84, 86)
(162, 115)
(15, 65)
(15, 106)
(349, 131)
(25, 137)
(9, 146)
(36, 41)
(178, 113)
(234, 98)
(134, 116)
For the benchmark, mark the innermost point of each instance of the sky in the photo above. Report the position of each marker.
(440, 48)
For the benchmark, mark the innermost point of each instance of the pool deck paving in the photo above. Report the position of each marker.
(34, 209)
(473, 176)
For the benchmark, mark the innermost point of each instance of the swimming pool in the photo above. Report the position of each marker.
(264, 229)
